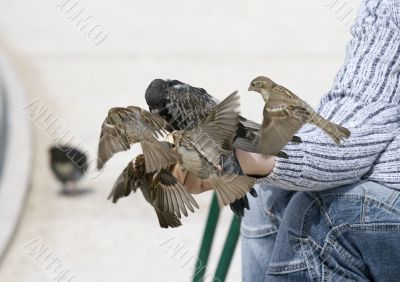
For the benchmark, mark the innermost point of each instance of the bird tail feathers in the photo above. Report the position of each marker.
(337, 132)
(158, 156)
(230, 187)
(168, 220)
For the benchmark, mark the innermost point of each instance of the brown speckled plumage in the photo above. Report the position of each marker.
(160, 189)
(284, 114)
(125, 126)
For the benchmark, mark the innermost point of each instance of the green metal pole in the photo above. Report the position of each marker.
(209, 232)
(228, 251)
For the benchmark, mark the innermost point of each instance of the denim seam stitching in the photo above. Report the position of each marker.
(321, 204)
(324, 261)
(333, 234)
(309, 260)
(304, 222)
(393, 198)
(339, 230)
(259, 233)
(346, 256)
(295, 267)
(336, 270)
(304, 218)
(363, 208)
(380, 204)
(308, 255)
(324, 257)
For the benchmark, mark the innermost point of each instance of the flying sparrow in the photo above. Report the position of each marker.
(160, 189)
(126, 126)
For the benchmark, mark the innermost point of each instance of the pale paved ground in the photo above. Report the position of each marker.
(219, 46)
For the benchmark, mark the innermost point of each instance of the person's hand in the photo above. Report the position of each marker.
(251, 164)
(193, 184)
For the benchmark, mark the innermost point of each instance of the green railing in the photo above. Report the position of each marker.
(206, 245)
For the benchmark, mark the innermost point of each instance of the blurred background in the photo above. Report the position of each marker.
(64, 63)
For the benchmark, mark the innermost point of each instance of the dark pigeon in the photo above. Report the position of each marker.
(68, 164)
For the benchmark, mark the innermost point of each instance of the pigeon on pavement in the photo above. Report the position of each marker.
(68, 164)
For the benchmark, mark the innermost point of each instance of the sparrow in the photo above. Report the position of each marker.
(284, 114)
(68, 164)
(160, 189)
(126, 126)
(185, 107)
(200, 149)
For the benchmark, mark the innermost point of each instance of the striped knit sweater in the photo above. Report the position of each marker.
(365, 98)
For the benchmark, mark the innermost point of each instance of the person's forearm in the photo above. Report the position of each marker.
(318, 164)
(364, 98)
(255, 164)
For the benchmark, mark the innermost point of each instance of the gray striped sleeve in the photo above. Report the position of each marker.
(365, 98)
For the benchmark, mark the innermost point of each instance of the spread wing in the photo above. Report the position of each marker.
(251, 125)
(126, 183)
(216, 132)
(152, 123)
(113, 139)
(170, 196)
(125, 126)
(278, 128)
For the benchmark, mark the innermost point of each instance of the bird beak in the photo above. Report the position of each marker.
(251, 88)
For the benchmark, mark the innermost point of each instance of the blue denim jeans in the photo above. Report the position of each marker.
(351, 233)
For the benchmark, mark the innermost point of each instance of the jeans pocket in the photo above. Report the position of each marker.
(257, 245)
(286, 267)
(254, 232)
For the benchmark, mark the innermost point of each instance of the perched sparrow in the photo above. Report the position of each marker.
(285, 114)
(160, 189)
(68, 164)
(126, 126)
(200, 150)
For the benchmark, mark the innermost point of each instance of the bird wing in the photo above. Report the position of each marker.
(167, 220)
(278, 129)
(229, 188)
(251, 125)
(113, 139)
(216, 132)
(125, 184)
(158, 155)
(170, 196)
(126, 126)
(151, 122)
